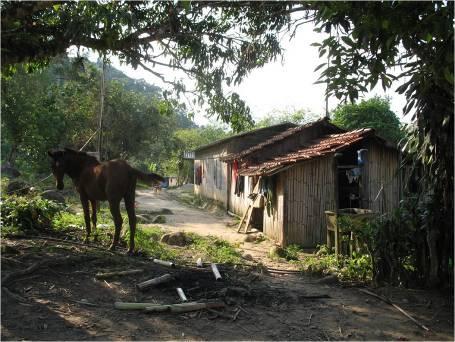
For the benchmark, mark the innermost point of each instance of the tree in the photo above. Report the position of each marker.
(373, 113)
(215, 43)
(298, 117)
(368, 40)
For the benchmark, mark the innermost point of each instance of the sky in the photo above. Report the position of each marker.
(283, 85)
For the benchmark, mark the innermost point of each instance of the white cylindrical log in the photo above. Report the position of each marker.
(164, 263)
(155, 281)
(181, 294)
(216, 272)
(199, 262)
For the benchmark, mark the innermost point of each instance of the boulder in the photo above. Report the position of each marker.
(17, 187)
(250, 238)
(8, 171)
(247, 257)
(53, 195)
(175, 239)
(159, 219)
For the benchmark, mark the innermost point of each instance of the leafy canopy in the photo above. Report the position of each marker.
(373, 113)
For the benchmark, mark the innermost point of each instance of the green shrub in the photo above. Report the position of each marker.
(292, 252)
(27, 213)
(356, 267)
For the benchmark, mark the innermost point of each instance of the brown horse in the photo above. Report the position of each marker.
(111, 180)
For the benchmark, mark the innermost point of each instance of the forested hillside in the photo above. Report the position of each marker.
(59, 106)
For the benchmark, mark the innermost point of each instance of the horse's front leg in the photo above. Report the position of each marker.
(86, 209)
(95, 232)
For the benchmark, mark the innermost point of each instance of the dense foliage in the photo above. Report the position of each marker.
(59, 106)
(373, 113)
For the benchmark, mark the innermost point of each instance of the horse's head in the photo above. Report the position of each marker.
(58, 167)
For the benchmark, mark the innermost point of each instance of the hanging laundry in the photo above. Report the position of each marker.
(353, 175)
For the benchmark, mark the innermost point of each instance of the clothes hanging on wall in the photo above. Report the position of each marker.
(353, 175)
(267, 189)
(198, 177)
(239, 185)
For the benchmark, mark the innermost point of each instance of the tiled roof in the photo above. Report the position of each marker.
(276, 138)
(320, 147)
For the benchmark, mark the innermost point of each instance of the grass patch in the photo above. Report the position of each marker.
(358, 267)
(214, 250)
(148, 241)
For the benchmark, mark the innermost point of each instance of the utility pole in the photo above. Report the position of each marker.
(327, 86)
(100, 121)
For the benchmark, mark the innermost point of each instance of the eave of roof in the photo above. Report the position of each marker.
(279, 137)
(240, 135)
(323, 146)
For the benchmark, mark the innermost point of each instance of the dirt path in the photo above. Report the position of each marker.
(193, 220)
(258, 306)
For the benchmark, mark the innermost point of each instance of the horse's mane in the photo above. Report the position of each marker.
(83, 155)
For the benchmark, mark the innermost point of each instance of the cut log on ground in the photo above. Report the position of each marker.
(216, 272)
(184, 307)
(118, 273)
(164, 263)
(155, 281)
(181, 294)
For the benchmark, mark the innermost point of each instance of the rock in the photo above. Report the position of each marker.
(8, 171)
(247, 257)
(250, 238)
(331, 279)
(159, 219)
(17, 187)
(276, 251)
(53, 195)
(175, 239)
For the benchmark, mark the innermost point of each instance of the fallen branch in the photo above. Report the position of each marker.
(155, 281)
(37, 265)
(13, 295)
(82, 302)
(388, 301)
(219, 314)
(118, 273)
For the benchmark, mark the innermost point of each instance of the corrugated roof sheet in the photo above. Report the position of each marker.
(320, 147)
(276, 138)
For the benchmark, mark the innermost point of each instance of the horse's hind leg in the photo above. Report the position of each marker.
(129, 205)
(114, 206)
(86, 209)
(95, 233)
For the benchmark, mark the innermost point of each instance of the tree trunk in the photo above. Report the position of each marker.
(432, 238)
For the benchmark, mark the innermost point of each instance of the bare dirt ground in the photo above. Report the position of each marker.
(51, 302)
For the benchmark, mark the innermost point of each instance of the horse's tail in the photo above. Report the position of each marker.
(148, 178)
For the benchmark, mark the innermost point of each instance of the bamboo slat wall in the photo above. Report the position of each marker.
(383, 166)
(310, 191)
(239, 204)
(214, 180)
(273, 224)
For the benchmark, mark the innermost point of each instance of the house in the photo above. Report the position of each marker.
(211, 174)
(306, 170)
